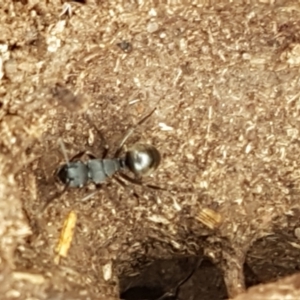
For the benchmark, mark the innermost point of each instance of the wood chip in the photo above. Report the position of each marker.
(66, 237)
(210, 218)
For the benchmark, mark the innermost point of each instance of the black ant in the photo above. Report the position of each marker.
(140, 159)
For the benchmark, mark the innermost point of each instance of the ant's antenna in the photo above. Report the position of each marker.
(63, 150)
(130, 132)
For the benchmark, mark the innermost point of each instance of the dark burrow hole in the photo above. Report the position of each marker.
(269, 259)
(273, 257)
(199, 279)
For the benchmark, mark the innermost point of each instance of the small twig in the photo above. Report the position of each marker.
(66, 10)
(174, 292)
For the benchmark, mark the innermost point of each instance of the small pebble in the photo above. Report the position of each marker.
(297, 233)
(152, 27)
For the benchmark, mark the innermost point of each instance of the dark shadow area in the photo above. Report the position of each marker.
(251, 278)
(189, 278)
(272, 258)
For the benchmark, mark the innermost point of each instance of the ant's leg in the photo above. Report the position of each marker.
(139, 182)
(57, 195)
(90, 155)
(125, 186)
(102, 138)
(77, 156)
(98, 186)
(121, 182)
(130, 131)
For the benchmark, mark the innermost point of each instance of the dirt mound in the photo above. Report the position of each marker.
(225, 83)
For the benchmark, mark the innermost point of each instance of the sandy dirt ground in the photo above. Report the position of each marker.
(225, 82)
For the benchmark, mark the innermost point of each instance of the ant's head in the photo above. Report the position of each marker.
(73, 174)
(142, 159)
